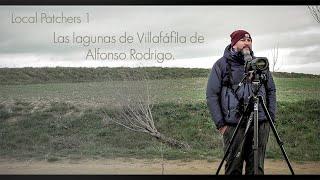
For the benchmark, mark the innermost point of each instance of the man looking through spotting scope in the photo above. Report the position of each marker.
(226, 100)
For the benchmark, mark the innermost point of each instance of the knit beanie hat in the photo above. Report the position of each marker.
(237, 35)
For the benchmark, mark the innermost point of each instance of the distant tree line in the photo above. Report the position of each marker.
(31, 75)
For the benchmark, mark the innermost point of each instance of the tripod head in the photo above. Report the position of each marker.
(259, 77)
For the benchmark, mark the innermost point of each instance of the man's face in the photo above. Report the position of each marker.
(243, 45)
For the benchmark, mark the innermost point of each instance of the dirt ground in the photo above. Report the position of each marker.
(141, 166)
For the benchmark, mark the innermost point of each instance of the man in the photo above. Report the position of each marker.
(226, 104)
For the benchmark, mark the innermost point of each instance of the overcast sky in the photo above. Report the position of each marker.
(32, 44)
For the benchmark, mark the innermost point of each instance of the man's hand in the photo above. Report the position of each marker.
(223, 129)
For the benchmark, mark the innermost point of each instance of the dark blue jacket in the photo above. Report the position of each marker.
(222, 103)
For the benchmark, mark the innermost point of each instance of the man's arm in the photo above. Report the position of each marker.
(213, 96)
(271, 96)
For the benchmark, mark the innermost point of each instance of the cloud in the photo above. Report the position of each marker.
(304, 55)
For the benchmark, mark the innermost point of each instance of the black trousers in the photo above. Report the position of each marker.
(234, 165)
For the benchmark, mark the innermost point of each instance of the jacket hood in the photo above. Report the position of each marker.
(235, 58)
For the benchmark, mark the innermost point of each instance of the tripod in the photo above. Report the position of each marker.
(251, 114)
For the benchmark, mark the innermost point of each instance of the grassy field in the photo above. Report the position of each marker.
(187, 90)
(63, 120)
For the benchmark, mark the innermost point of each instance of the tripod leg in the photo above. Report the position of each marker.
(244, 136)
(233, 137)
(276, 133)
(255, 136)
